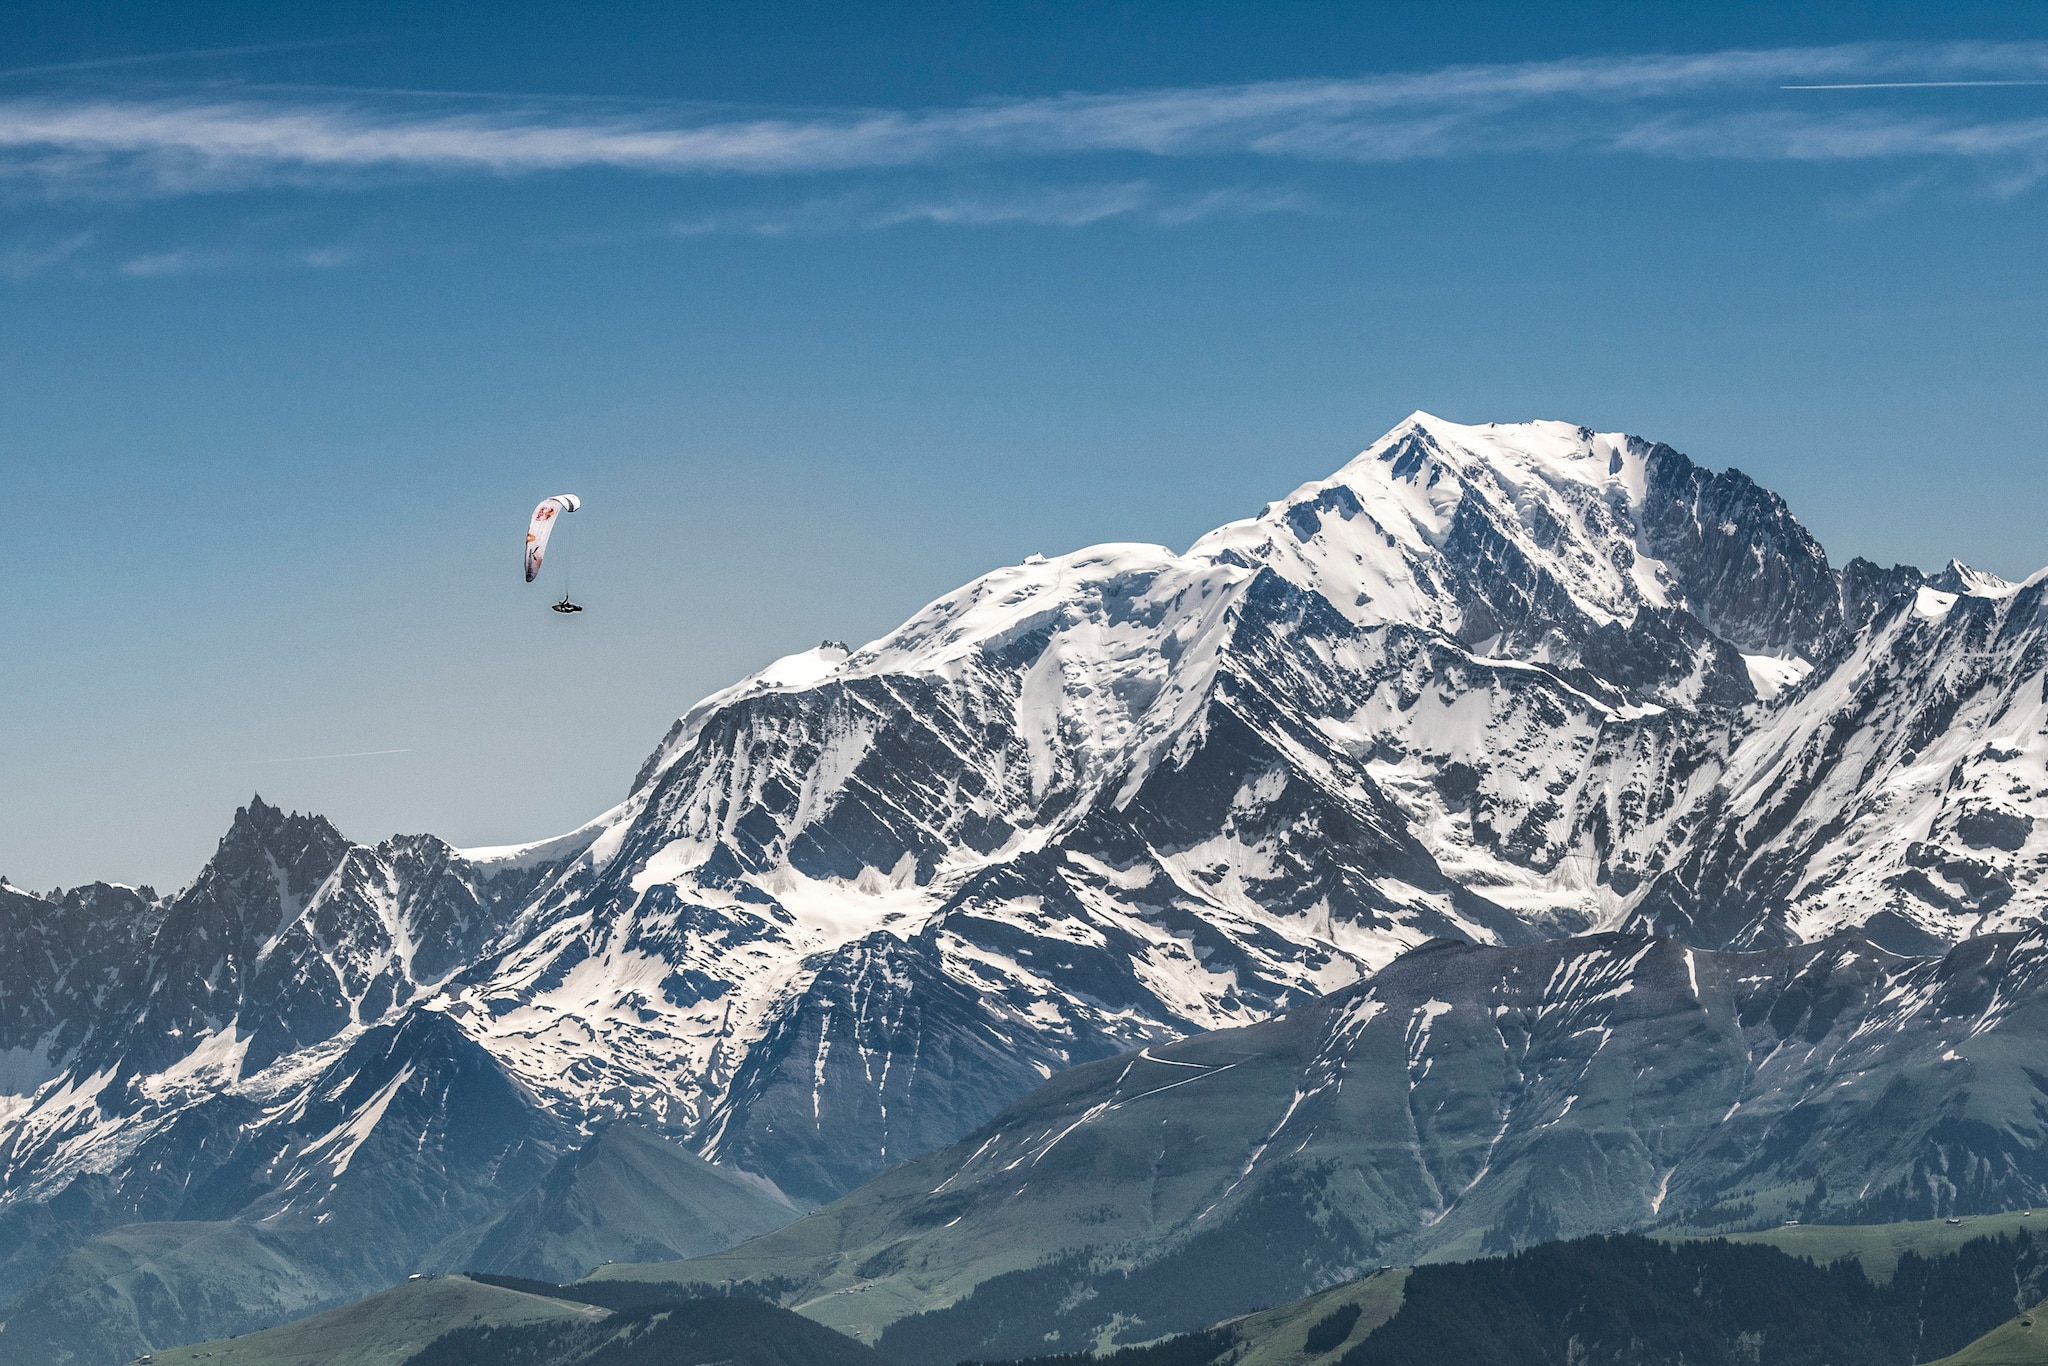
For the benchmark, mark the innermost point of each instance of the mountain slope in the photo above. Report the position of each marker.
(626, 1195)
(1314, 1331)
(713, 1332)
(386, 1329)
(1901, 790)
(1628, 1301)
(1463, 1100)
(402, 1141)
(2021, 1340)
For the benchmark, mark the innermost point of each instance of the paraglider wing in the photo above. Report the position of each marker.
(543, 526)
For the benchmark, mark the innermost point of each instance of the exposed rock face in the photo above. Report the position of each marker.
(1746, 568)
(1867, 588)
(61, 958)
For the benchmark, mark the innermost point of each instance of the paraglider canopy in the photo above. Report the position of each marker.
(543, 526)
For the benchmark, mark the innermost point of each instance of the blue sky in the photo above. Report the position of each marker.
(825, 309)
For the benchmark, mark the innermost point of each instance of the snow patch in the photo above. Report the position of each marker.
(1771, 676)
(351, 1136)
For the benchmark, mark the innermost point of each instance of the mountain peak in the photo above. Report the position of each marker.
(1548, 445)
(261, 823)
(1518, 538)
(1958, 577)
(263, 839)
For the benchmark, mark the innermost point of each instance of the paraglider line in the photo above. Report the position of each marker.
(310, 758)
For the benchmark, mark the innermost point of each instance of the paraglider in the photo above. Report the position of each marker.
(537, 533)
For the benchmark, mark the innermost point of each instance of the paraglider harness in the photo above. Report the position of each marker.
(567, 606)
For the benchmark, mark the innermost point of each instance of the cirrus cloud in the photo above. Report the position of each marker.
(1763, 104)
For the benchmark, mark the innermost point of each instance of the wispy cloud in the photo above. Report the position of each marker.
(26, 257)
(1066, 206)
(186, 261)
(235, 255)
(1756, 104)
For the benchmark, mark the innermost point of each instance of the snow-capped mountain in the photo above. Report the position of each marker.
(1898, 790)
(1124, 794)
(1501, 683)
(1484, 682)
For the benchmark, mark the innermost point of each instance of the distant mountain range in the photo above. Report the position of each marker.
(1498, 684)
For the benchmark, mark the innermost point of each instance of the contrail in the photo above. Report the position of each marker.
(184, 55)
(309, 758)
(1909, 85)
